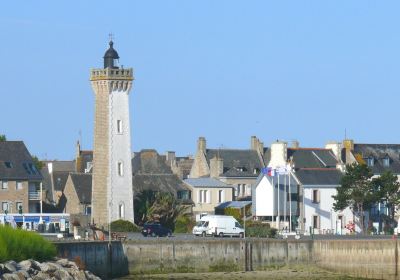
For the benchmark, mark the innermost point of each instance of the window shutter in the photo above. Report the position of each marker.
(223, 196)
(208, 197)
(198, 196)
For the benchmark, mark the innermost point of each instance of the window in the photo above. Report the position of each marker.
(19, 185)
(121, 209)
(386, 161)
(18, 206)
(88, 210)
(248, 190)
(340, 219)
(4, 185)
(205, 196)
(120, 168)
(292, 197)
(315, 220)
(4, 206)
(119, 126)
(8, 164)
(221, 196)
(315, 196)
(370, 161)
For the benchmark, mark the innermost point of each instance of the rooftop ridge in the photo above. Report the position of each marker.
(318, 169)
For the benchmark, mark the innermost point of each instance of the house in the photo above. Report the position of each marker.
(275, 199)
(151, 173)
(180, 166)
(379, 158)
(78, 193)
(208, 193)
(237, 167)
(317, 173)
(55, 174)
(19, 179)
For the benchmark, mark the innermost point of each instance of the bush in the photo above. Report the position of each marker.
(184, 224)
(124, 226)
(18, 245)
(258, 229)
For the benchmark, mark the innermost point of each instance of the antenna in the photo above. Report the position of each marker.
(345, 134)
(80, 136)
(111, 36)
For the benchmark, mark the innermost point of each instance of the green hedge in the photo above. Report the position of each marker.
(124, 226)
(18, 245)
(258, 229)
(184, 224)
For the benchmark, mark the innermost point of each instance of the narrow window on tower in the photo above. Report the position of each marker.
(119, 126)
(121, 211)
(120, 168)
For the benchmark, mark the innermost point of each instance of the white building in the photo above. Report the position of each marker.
(315, 177)
(275, 200)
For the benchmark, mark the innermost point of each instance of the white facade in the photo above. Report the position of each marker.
(319, 214)
(273, 197)
(120, 193)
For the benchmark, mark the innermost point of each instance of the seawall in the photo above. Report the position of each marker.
(364, 258)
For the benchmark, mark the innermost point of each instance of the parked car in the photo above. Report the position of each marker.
(218, 225)
(155, 229)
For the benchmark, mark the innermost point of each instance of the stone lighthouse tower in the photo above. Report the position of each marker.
(112, 194)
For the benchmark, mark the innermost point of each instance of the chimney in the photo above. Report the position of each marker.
(295, 144)
(348, 144)
(201, 144)
(278, 154)
(170, 156)
(216, 167)
(256, 145)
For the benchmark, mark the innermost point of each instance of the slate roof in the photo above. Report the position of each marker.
(16, 162)
(379, 152)
(312, 158)
(319, 176)
(60, 179)
(237, 163)
(206, 182)
(150, 172)
(157, 182)
(62, 165)
(233, 204)
(83, 185)
(149, 162)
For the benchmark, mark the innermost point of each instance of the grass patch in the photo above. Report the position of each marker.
(18, 245)
(224, 267)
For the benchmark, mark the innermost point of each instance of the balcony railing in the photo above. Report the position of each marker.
(34, 195)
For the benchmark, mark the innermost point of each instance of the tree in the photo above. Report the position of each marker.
(356, 191)
(143, 201)
(3, 138)
(387, 191)
(166, 209)
(38, 164)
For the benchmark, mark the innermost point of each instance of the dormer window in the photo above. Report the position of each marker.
(8, 164)
(386, 161)
(370, 161)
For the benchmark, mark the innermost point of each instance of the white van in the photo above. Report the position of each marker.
(218, 225)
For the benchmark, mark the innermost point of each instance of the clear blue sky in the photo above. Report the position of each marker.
(226, 70)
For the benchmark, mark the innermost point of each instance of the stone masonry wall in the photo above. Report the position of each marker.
(100, 153)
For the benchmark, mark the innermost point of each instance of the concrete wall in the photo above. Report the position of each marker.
(96, 257)
(376, 259)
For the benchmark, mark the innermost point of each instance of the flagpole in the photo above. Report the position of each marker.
(279, 190)
(284, 199)
(290, 202)
(273, 199)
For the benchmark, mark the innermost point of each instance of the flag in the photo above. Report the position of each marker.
(268, 171)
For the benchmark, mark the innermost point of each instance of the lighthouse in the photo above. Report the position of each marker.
(112, 194)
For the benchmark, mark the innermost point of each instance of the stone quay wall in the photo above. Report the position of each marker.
(376, 259)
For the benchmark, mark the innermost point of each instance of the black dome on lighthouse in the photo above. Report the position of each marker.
(110, 56)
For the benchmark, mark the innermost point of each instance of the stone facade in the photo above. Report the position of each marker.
(12, 196)
(112, 172)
